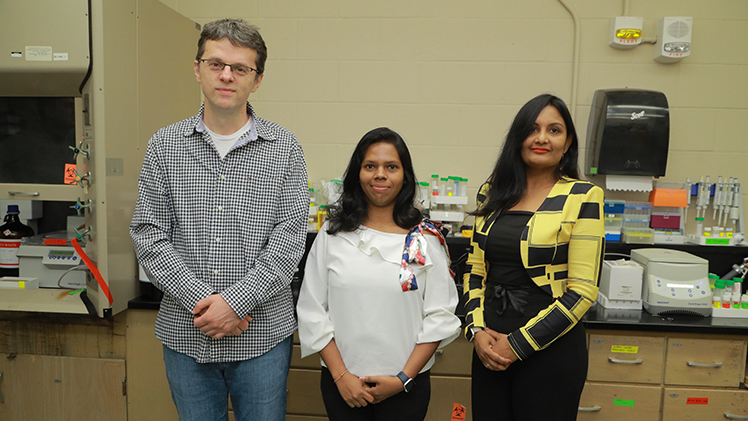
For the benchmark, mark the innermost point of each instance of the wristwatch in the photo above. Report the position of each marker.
(408, 383)
(474, 330)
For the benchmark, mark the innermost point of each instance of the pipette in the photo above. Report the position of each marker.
(708, 195)
(717, 197)
(729, 193)
(735, 205)
(700, 196)
(688, 197)
(725, 200)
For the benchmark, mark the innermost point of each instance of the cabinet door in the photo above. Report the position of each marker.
(704, 404)
(618, 358)
(40, 387)
(705, 362)
(614, 402)
(454, 359)
(445, 392)
(304, 396)
(149, 394)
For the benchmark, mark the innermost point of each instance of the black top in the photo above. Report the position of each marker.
(512, 298)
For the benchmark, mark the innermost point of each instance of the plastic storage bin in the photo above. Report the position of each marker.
(666, 217)
(613, 225)
(614, 206)
(638, 235)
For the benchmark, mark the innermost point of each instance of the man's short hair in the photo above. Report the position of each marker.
(240, 33)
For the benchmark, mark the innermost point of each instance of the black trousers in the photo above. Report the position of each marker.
(545, 386)
(400, 407)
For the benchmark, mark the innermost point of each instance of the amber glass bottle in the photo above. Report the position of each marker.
(11, 233)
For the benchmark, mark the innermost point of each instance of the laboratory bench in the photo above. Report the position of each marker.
(660, 347)
(673, 367)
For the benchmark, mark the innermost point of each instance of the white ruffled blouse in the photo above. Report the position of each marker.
(351, 292)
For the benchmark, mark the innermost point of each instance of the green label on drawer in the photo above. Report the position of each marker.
(623, 402)
(622, 349)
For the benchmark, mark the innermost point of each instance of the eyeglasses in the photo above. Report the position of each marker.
(237, 69)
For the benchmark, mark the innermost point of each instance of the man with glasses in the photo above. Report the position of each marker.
(219, 226)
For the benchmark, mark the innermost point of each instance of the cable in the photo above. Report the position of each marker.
(74, 268)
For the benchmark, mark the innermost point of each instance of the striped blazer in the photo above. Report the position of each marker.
(562, 249)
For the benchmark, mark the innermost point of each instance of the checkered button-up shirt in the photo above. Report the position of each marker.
(234, 226)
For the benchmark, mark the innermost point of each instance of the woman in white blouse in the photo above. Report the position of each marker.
(375, 308)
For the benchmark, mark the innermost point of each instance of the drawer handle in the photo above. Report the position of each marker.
(23, 193)
(736, 417)
(693, 364)
(439, 352)
(2, 399)
(595, 408)
(616, 360)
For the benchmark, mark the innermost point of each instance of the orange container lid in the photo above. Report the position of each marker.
(677, 198)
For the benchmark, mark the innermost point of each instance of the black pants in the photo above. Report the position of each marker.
(402, 406)
(545, 386)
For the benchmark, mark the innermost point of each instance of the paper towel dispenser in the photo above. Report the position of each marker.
(628, 133)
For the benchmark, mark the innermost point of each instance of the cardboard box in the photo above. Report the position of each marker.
(12, 282)
(621, 280)
(618, 304)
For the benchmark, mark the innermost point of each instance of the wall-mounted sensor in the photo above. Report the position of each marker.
(625, 32)
(674, 39)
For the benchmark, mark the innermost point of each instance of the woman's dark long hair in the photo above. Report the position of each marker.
(508, 180)
(352, 208)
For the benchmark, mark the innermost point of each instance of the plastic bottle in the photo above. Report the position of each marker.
(435, 184)
(443, 186)
(719, 291)
(699, 226)
(712, 279)
(312, 219)
(744, 302)
(10, 240)
(423, 194)
(727, 296)
(463, 187)
(456, 182)
(321, 216)
(737, 291)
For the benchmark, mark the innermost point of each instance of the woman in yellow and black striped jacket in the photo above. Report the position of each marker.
(533, 271)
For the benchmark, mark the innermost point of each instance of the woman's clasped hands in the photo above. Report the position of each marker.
(361, 391)
(493, 349)
(353, 390)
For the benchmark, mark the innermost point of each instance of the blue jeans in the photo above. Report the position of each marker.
(257, 386)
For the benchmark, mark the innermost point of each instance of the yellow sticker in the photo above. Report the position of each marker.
(21, 285)
(623, 349)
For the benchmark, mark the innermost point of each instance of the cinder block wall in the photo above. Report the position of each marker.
(450, 75)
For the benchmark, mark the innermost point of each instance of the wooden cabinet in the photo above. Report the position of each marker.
(636, 375)
(617, 402)
(704, 404)
(626, 358)
(304, 395)
(149, 396)
(705, 362)
(450, 380)
(42, 387)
